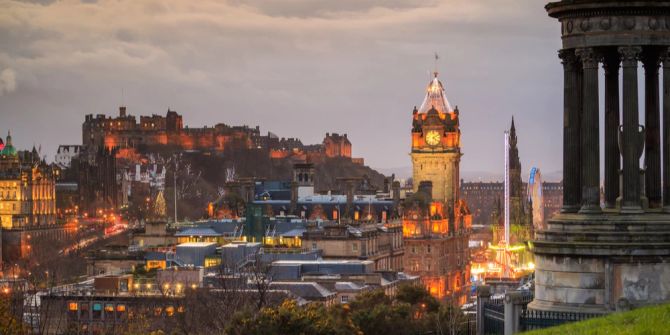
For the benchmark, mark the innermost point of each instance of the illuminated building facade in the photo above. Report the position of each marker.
(436, 223)
(27, 189)
(436, 149)
(125, 132)
(130, 136)
(27, 201)
(380, 243)
(336, 145)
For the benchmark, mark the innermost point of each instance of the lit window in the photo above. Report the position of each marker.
(344, 299)
(121, 308)
(73, 306)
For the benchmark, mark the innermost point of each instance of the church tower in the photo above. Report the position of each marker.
(436, 148)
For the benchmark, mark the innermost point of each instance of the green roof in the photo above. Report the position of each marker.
(8, 151)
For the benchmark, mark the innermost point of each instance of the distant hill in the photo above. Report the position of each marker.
(333, 168)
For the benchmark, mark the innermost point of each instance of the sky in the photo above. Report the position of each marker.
(297, 68)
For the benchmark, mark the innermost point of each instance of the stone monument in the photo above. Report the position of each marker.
(593, 257)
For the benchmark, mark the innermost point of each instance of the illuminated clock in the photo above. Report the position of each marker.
(433, 137)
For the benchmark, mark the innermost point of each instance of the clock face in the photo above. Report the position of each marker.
(433, 137)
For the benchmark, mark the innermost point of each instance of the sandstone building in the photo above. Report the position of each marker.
(436, 222)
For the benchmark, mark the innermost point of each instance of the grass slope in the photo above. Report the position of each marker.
(648, 320)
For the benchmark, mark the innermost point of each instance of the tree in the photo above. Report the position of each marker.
(416, 295)
(289, 318)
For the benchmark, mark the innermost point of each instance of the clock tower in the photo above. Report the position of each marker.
(436, 149)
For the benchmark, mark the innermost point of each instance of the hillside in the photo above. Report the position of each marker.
(648, 320)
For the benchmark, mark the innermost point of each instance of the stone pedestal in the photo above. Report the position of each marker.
(586, 263)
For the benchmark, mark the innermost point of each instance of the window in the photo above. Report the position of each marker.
(429, 250)
(97, 310)
(413, 249)
(354, 247)
(313, 246)
(344, 299)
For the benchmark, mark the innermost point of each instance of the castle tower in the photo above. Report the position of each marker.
(436, 149)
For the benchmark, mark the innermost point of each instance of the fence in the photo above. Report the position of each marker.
(531, 319)
(494, 316)
(510, 315)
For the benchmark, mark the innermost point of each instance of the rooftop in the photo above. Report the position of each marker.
(435, 98)
(196, 244)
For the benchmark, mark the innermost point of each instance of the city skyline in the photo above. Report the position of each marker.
(205, 61)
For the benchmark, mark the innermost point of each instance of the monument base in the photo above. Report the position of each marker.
(598, 264)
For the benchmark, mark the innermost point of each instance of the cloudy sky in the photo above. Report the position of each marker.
(298, 68)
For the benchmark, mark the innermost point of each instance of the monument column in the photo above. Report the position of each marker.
(666, 129)
(571, 131)
(612, 158)
(631, 141)
(589, 133)
(652, 120)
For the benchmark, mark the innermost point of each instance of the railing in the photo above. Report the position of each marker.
(513, 306)
(531, 319)
(494, 316)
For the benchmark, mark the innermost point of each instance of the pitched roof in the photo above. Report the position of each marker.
(435, 98)
(199, 231)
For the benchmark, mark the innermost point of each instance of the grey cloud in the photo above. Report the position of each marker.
(297, 68)
(325, 8)
(7, 81)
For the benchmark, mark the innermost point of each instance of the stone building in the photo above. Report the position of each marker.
(484, 197)
(436, 222)
(97, 180)
(27, 189)
(436, 149)
(336, 145)
(27, 201)
(594, 258)
(380, 243)
(125, 132)
(130, 136)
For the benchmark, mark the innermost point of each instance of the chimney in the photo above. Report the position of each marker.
(122, 111)
(396, 193)
(426, 187)
(294, 197)
(350, 198)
